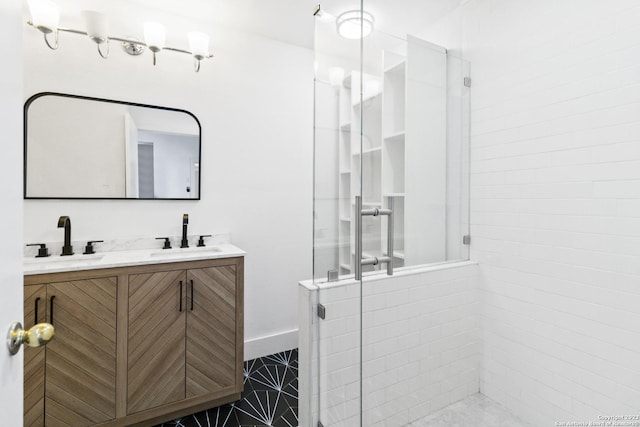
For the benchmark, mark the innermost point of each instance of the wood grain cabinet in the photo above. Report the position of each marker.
(182, 328)
(135, 345)
(74, 376)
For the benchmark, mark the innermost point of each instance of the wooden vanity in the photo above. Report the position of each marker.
(134, 345)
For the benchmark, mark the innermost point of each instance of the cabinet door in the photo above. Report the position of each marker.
(211, 330)
(35, 300)
(156, 339)
(81, 358)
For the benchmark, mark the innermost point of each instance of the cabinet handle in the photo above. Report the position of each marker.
(51, 309)
(192, 295)
(180, 296)
(35, 321)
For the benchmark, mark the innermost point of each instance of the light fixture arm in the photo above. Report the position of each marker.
(104, 55)
(46, 40)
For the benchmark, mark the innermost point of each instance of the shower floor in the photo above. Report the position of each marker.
(474, 411)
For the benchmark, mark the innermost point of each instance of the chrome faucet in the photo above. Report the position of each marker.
(65, 221)
(185, 221)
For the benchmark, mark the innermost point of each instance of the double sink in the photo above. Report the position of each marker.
(54, 264)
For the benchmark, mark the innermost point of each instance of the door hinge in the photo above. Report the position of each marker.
(332, 276)
(466, 240)
(467, 81)
(321, 311)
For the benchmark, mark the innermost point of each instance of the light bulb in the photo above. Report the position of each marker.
(96, 24)
(154, 36)
(199, 44)
(45, 15)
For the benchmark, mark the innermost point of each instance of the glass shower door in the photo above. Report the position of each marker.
(391, 195)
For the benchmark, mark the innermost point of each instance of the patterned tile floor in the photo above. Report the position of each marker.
(270, 397)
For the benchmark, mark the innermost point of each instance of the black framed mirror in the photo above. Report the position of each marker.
(79, 147)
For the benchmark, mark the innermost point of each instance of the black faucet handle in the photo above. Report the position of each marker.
(88, 250)
(43, 251)
(167, 242)
(201, 239)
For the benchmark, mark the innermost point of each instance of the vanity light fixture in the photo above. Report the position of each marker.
(45, 16)
(354, 24)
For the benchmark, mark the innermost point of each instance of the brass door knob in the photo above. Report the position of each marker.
(37, 336)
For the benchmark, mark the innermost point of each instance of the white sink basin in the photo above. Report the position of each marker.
(56, 263)
(71, 259)
(184, 252)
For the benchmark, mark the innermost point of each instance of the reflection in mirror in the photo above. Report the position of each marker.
(80, 147)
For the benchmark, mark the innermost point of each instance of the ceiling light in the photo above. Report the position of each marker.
(354, 24)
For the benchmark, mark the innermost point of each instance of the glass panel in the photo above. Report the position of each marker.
(335, 149)
(414, 150)
(391, 123)
(413, 147)
(336, 183)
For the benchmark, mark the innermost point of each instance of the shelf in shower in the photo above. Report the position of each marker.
(395, 137)
(368, 151)
(345, 127)
(393, 195)
(396, 68)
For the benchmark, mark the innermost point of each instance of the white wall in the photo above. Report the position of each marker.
(255, 103)
(11, 304)
(555, 202)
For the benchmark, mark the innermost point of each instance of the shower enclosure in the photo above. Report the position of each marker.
(394, 306)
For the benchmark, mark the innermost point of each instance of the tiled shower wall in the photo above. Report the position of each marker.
(555, 203)
(421, 348)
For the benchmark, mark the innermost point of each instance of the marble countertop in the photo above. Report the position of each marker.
(123, 258)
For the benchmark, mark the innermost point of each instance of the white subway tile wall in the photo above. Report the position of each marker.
(421, 346)
(555, 204)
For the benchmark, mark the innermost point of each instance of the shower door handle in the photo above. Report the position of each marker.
(388, 258)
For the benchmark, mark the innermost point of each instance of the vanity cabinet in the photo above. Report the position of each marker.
(136, 345)
(195, 311)
(74, 376)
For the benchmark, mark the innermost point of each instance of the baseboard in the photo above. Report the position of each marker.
(271, 344)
